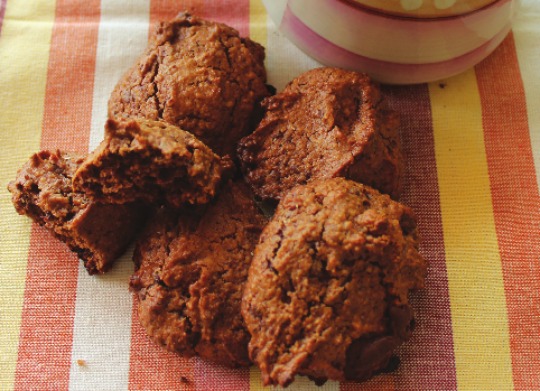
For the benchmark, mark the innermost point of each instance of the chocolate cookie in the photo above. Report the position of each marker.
(191, 270)
(327, 293)
(98, 233)
(152, 161)
(326, 123)
(199, 75)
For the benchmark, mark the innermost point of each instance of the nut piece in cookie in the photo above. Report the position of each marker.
(191, 269)
(326, 123)
(98, 233)
(199, 75)
(327, 292)
(151, 161)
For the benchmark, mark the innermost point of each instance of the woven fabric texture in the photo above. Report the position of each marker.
(473, 158)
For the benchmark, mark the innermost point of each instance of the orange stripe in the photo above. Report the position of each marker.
(70, 81)
(161, 10)
(48, 310)
(49, 302)
(516, 205)
(229, 12)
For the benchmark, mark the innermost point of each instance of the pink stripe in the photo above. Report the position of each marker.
(427, 360)
(2, 13)
(151, 365)
(326, 52)
(209, 376)
(382, 382)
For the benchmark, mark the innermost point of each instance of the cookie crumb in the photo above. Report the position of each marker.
(81, 363)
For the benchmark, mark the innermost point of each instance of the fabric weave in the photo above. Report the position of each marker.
(472, 144)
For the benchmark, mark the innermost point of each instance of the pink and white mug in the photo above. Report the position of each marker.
(396, 41)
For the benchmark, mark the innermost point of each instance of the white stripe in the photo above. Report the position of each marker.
(102, 324)
(276, 9)
(284, 61)
(123, 35)
(527, 38)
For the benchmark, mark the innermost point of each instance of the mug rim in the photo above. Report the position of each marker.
(424, 9)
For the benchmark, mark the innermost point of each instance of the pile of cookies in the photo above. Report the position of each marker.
(196, 141)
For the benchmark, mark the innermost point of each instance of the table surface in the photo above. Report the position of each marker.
(473, 157)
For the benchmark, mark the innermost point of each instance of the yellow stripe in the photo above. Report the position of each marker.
(475, 280)
(257, 21)
(255, 382)
(24, 56)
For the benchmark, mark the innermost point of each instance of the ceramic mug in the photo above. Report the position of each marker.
(396, 41)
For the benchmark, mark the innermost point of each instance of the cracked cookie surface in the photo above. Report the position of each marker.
(151, 161)
(191, 269)
(98, 233)
(327, 292)
(326, 123)
(199, 75)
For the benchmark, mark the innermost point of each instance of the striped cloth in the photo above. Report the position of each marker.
(473, 157)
